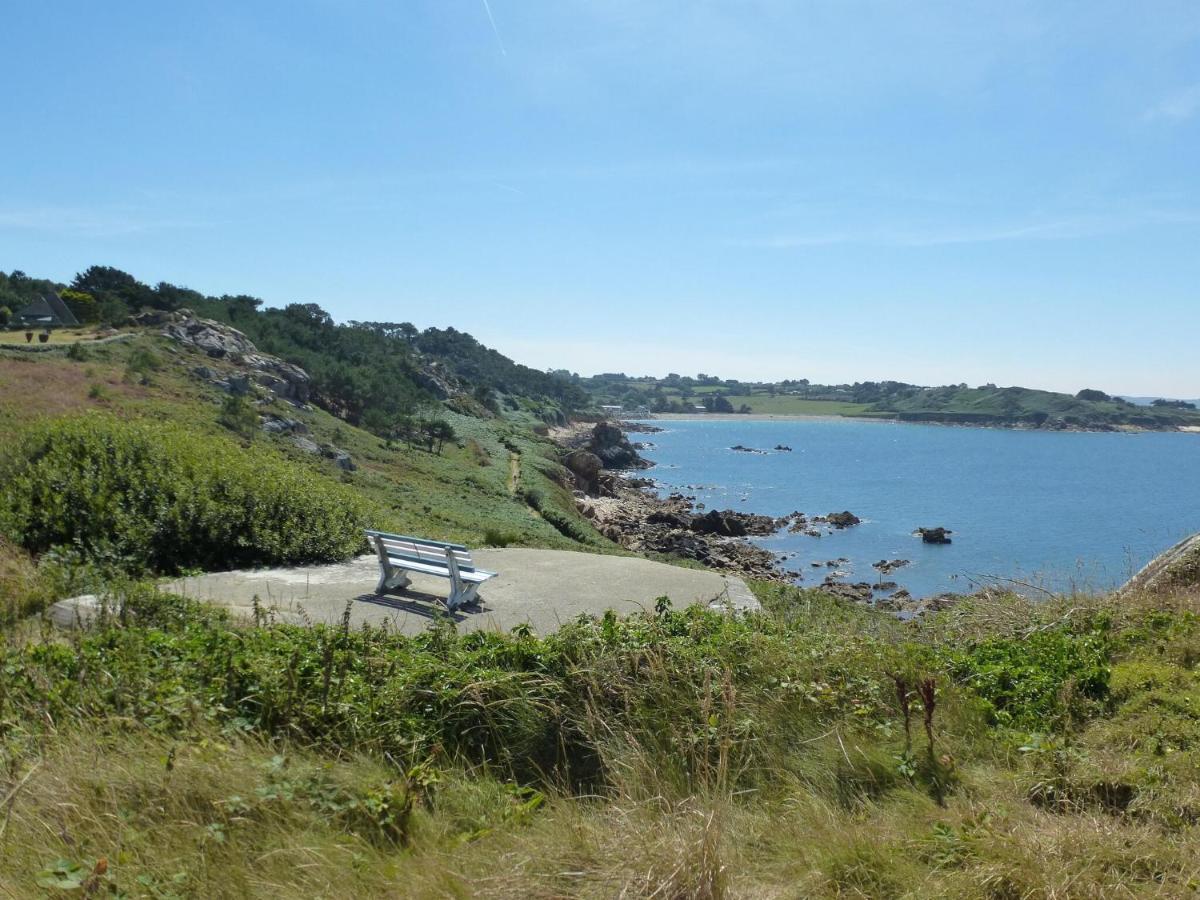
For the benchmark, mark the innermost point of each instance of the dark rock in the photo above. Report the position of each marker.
(937, 535)
(842, 519)
(726, 523)
(885, 586)
(585, 466)
(783, 448)
(673, 519)
(613, 449)
(859, 592)
(740, 449)
(341, 458)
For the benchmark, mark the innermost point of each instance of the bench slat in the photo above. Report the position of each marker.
(418, 550)
(427, 561)
(413, 540)
(476, 576)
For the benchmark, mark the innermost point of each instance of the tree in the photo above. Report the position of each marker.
(1172, 404)
(238, 416)
(82, 305)
(5, 316)
(1092, 395)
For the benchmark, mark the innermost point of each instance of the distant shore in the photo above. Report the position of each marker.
(751, 417)
(895, 420)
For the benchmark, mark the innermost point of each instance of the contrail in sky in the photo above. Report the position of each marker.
(499, 40)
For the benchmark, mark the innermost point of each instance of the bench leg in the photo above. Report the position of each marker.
(462, 595)
(391, 579)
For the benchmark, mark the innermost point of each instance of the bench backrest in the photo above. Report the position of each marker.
(400, 546)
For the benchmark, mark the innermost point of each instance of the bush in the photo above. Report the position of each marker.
(238, 416)
(1037, 682)
(158, 497)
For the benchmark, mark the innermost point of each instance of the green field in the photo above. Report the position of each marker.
(785, 405)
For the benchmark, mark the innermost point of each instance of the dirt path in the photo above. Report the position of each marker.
(514, 472)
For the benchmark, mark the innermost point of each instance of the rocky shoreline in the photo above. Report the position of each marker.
(626, 508)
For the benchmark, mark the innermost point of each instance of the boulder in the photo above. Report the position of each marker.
(613, 449)
(937, 535)
(306, 445)
(585, 466)
(725, 523)
(214, 338)
(842, 519)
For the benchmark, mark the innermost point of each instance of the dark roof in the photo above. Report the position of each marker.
(49, 306)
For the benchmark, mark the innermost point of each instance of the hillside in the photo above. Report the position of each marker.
(440, 445)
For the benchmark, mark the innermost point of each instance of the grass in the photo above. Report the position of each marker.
(784, 405)
(680, 754)
(57, 336)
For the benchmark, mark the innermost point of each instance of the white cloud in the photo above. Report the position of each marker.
(1178, 107)
(1066, 228)
(86, 222)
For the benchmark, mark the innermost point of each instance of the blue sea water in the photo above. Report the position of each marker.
(1064, 511)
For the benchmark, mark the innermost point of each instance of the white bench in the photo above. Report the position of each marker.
(399, 554)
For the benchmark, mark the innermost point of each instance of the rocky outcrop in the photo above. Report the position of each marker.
(216, 339)
(937, 535)
(224, 342)
(609, 443)
(1175, 571)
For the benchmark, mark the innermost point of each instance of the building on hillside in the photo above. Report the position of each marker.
(612, 411)
(48, 311)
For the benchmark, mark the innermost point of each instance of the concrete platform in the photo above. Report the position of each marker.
(540, 588)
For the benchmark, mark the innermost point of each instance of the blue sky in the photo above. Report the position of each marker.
(839, 190)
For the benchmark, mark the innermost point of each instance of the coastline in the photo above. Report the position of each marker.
(893, 420)
(755, 417)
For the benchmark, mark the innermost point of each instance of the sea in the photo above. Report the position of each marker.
(1029, 510)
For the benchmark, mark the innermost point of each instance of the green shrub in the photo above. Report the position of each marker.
(1036, 682)
(238, 416)
(157, 497)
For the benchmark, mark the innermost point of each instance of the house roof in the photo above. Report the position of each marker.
(49, 307)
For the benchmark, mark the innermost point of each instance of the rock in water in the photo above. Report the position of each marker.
(937, 535)
(842, 519)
